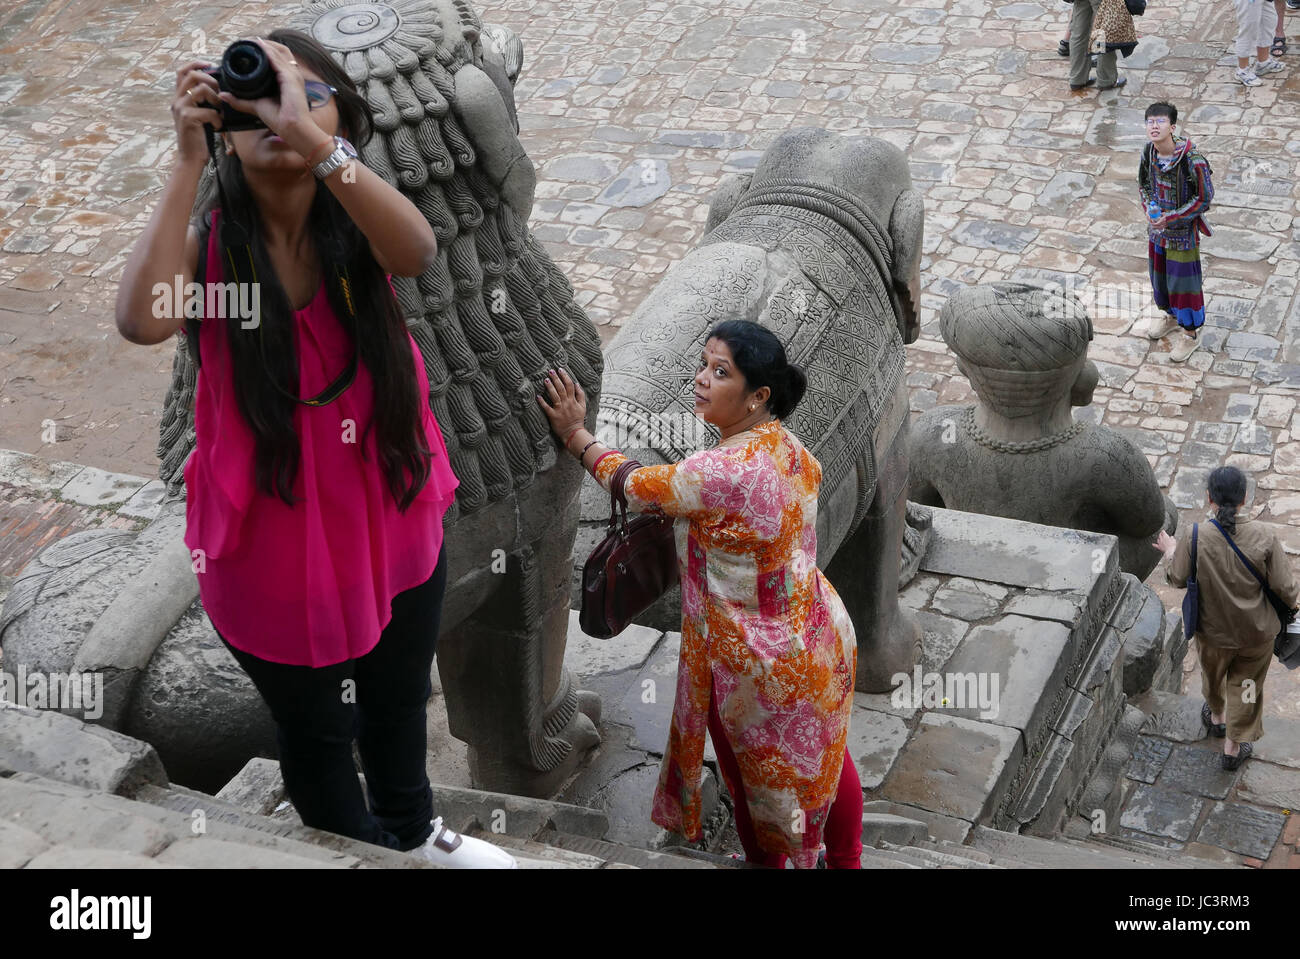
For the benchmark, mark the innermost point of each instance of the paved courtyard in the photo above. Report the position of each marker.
(633, 112)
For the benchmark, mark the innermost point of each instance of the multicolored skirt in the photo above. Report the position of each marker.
(1176, 283)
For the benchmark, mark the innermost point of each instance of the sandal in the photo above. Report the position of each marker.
(1232, 762)
(1278, 49)
(1217, 730)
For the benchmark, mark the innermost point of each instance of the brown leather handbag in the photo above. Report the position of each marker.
(633, 566)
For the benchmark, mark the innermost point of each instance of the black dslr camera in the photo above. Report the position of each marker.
(245, 72)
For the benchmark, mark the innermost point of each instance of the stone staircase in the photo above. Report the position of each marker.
(74, 795)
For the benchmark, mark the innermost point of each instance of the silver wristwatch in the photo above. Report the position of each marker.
(343, 152)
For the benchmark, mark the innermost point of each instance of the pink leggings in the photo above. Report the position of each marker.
(843, 832)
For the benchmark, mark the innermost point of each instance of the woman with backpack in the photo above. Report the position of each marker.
(1236, 625)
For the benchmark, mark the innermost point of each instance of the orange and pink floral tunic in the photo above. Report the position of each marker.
(763, 632)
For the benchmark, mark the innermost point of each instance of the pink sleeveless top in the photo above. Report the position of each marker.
(311, 584)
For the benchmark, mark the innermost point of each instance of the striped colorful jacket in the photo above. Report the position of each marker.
(1184, 188)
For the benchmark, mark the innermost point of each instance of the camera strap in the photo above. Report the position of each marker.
(234, 236)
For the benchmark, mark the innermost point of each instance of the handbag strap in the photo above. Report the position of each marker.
(1276, 603)
(1193, 576)
(617, 495)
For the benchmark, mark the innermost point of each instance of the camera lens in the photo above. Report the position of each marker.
(247, 71)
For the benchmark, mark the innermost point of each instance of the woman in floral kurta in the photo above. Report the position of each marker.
(767, 645)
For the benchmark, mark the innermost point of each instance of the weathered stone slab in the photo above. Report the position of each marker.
(1064, 608)
(1196, 770)
(1026, 664)
(1015, 553)
(886, 827)
(258, 787)
(1280, 743)
(1268, 785)
(18, 845)
(33, 472)
(146, 501)
(587, 656)
(942, 828)
(61, 747)
(1171, 716)
(875, 740)
(85, 821)
(638, 185)
(906, 53)
(1148, 759)
(942, 635)
(955, 766)
(1064, 188)
(72, 857)
(968, 599)
(1161, 812)
(647, 706)
(96, 487)
(207, 853)
(1233, 243)
(986, 235)
(1243, 829)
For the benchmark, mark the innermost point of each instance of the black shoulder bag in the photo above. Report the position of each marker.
(1192, 599)
(1286, 645)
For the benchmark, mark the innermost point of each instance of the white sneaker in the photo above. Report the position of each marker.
(1271, 65)
(451, 849)
(1185, 348)
(1161, 326)
(1248, 78)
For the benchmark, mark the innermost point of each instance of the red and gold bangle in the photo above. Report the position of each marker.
(596, 465)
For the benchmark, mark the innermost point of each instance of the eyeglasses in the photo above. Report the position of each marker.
(1157, 121)
(318, 93)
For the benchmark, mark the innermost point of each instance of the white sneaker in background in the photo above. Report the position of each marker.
(1270, 65)
(451, 849)
(1185, 347)
(1161, 326)
(1247, 78)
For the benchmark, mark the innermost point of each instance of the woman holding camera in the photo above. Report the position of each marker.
(1236, 625)
(316, 490)
(768, 654)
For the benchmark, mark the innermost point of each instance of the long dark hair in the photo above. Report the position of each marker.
(761, 359)
(382, 344)
(1227, 487)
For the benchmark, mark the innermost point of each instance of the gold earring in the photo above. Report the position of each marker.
(751, 409)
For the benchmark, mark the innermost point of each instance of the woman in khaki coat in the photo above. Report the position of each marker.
(1237, 624)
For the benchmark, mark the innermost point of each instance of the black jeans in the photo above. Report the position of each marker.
(378, 700)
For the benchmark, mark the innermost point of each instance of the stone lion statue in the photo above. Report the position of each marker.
(490, 317)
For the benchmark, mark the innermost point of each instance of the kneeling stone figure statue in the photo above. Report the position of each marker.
(1018, 452)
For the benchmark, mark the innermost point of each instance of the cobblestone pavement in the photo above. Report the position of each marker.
(634, 110)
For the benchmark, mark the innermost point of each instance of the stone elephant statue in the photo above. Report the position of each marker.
(822, 244)
(490, 317)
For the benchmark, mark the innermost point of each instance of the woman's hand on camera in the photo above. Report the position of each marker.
(289, 116)
(567, 409)
(196, 95)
